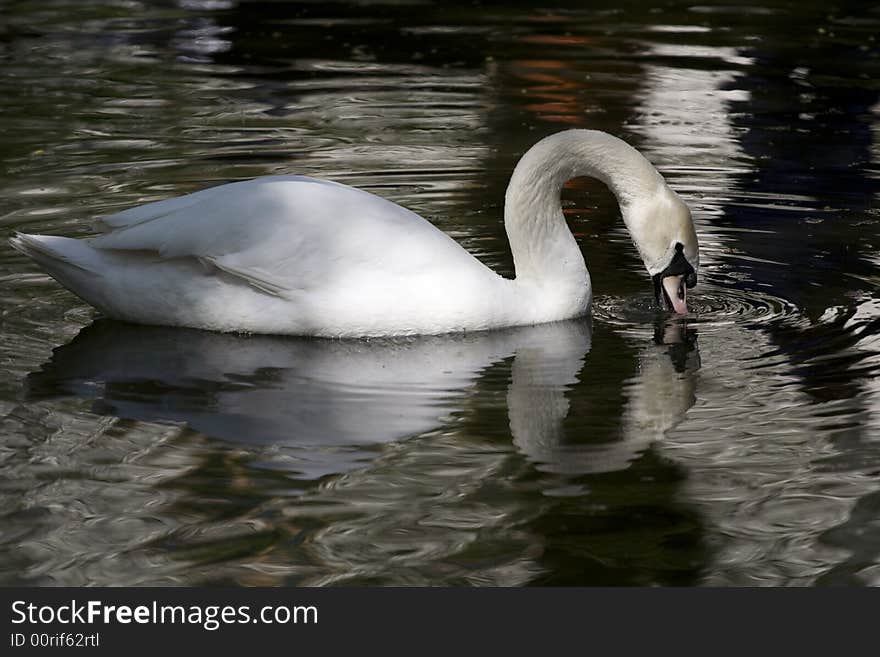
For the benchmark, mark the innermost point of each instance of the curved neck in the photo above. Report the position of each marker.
(544, 250)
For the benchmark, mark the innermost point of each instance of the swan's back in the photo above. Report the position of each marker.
(293, 218)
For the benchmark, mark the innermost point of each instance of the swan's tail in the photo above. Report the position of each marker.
(52, 252)
(73, 263)
(59, 256)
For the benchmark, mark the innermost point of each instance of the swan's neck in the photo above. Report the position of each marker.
(545, 252)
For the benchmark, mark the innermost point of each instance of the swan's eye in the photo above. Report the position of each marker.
(691, 279)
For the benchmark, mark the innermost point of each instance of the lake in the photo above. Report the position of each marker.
(738, 446)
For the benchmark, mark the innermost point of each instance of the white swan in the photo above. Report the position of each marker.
(296, 255)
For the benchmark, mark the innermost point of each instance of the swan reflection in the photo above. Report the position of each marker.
(326, 396)
(658, 396)
(333, 400)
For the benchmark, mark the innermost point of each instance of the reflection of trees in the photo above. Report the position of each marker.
(808, 129)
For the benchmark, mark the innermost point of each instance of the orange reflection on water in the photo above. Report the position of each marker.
(556, 95)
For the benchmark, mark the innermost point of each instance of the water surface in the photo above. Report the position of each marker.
(738, 446)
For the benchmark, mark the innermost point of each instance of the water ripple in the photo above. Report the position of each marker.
(710, 308)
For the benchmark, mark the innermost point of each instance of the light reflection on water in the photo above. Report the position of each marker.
(737, 446)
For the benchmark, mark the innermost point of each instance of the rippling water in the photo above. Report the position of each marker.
(737, 446)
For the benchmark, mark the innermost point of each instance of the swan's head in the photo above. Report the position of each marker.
(663, 231)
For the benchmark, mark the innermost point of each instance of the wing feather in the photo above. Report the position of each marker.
(284, 234)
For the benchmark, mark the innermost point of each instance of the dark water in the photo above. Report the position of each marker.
(739, 447)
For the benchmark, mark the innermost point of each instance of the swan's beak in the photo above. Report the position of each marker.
(674, 280)
(675, 293)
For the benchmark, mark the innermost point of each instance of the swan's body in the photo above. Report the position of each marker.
(296, 255)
